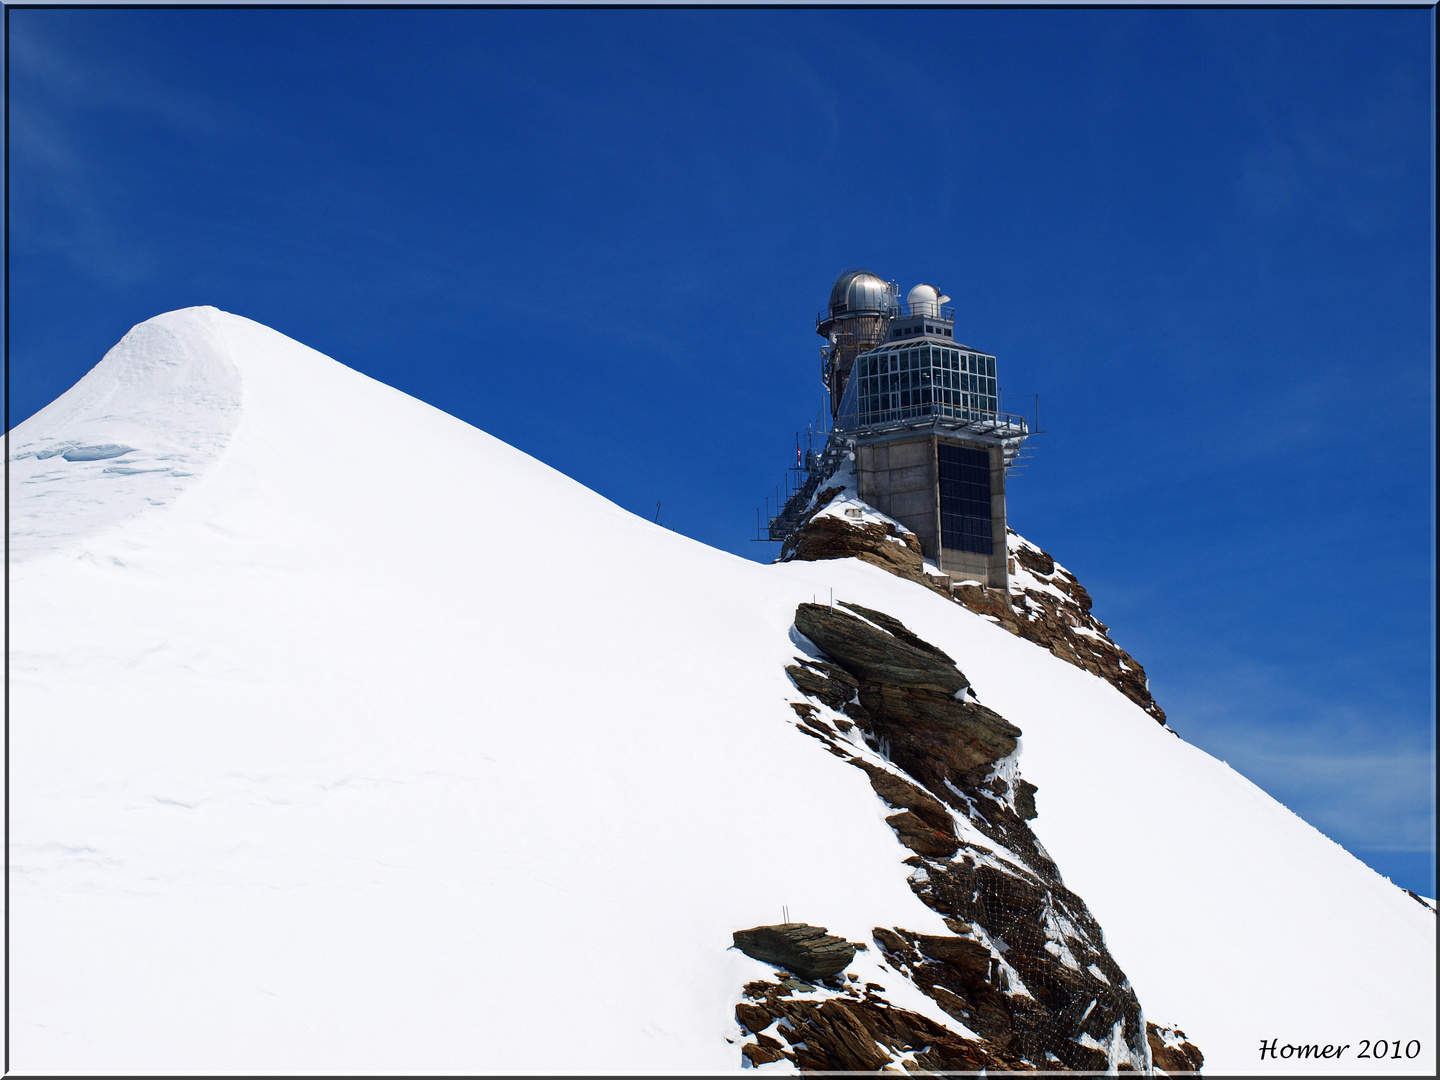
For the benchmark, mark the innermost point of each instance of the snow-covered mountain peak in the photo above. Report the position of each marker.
(131, 435)
(345, 737)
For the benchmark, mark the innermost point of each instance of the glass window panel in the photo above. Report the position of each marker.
(965, 499)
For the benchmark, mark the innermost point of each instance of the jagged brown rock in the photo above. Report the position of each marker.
(1063, 625)
(1049, 993)
(861, 1032)
(825, 682)
(1025, 800)
(753, 1018)
(761, 1055)
(907, 697)
(932, 736)
(895, 628)
(830, 537)
(808, 951)
(919, 837)
(1171, 1051)
(965, 952)
(907, 795)
(871, 654)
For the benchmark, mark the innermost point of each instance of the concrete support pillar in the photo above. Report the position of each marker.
(901, 477)
(998, 576)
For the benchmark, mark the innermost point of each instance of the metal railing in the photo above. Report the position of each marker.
(980, 421)
(896, 310)
(859, 313)
(929, 310)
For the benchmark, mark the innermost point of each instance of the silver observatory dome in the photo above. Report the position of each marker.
(859, 292)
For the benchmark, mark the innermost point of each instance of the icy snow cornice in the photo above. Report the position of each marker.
(129, 437)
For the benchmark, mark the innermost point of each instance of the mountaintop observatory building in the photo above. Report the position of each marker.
(921, 413)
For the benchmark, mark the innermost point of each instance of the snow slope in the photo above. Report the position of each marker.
(347, 738)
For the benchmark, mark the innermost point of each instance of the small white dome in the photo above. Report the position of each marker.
(924, 300)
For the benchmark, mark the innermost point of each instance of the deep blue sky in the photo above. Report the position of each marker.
(1203, 237)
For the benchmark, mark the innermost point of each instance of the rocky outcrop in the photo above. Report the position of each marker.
(826, 536)
(1420, 900)
(1044, 604)
(1171, 1052)
(1024, 973)
(923, 825)
(875, 653)
(906, 690)
(809, 951)
(854, 1030)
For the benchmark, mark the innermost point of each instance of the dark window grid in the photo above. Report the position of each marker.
(967, 478)
(965, 525)
(979, 475)
(955, 535)
(965, 499)
(879, 391)
(966, 489)
(964, 455)
(970, 511)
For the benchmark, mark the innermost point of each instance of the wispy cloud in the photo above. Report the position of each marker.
(67, 80)
(63, 210)
(60, 190)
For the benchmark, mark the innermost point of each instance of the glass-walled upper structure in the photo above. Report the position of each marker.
(909, 380)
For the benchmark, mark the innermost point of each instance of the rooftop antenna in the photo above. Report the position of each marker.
(657, 511)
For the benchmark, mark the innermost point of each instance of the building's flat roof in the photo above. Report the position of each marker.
(925, 339)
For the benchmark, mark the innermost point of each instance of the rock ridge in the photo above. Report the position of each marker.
(1045, 604)
(1025, 973)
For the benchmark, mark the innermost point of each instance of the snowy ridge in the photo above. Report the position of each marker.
(317, 765)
